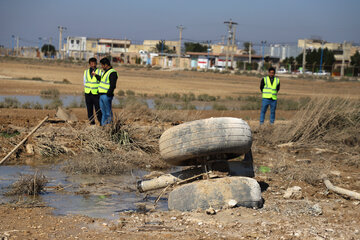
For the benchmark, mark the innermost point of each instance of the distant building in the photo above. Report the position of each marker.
(340, 50)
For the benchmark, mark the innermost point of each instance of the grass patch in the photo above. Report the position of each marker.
(206, 98)
(9, 133)
(219, 107)
(130, 93)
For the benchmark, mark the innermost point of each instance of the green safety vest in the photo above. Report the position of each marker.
(91, 83)
(105, 83)
(270, 90)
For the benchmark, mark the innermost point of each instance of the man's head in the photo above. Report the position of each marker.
(105, 63)
(92, 62)
(271, 72)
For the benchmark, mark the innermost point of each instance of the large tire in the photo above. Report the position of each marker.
(216, 193)
(196, 142)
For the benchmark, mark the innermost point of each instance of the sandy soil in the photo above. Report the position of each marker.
(157, 81)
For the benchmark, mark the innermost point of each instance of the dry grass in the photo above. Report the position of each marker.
(28, 184)
(322, 120)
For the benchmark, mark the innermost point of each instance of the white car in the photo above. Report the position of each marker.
(322, 73)
(282, 70)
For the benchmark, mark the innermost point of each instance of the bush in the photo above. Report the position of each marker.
(54, 104)
(11, 103)
(219, 107)
(130, 93)
(188, 97)
(121, 93)
(206, 98)
(50, 93)
(159, 105)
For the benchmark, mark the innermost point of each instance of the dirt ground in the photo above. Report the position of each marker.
(157, 82)
(316, 213)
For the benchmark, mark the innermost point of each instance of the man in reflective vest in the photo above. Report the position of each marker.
(106, 90)
(269, 86)
(91, 85)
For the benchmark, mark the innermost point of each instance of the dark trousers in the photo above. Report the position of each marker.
(92, 101)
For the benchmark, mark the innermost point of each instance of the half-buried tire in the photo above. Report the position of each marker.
(196, 142)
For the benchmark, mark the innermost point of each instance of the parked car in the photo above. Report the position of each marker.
(281, 70)
(322, 73)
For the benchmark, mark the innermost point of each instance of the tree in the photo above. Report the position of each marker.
(247, 47)
(161, 47)
(48, 50)
(355, 61)
(313, 59)
(195, 47)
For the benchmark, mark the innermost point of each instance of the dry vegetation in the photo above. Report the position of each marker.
(28, 184)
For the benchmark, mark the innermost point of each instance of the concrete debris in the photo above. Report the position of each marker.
(316, 210)
(232, 203)
(210, 211)
(66, 115)
(293, 192)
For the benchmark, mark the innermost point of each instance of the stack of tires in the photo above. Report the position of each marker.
(197, 142)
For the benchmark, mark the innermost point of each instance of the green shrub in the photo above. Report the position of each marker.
(188, 106)
(26, 105)
(188, 97)
(37, 106)
(175, 96)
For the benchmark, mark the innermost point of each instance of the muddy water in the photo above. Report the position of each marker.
(71, 100)
(91, 195)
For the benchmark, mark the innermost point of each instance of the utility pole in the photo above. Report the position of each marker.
(250, 52)
(322, 54)
(12, 44)
(232, 48)
(17, 46)
(60, 40)
(181, 28)
(263, 52)
(230, 35)
(343, 60)
(208, 50)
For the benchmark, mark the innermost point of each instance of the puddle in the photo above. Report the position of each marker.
(70, 100)
(104, 196)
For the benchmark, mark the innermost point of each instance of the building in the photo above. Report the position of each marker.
(340, 50)
(203, 60)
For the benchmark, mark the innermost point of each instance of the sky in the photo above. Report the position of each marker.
(276, 21)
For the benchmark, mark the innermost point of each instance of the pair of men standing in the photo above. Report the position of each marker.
(99, 89)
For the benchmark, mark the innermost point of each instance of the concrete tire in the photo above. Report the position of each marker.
(199, 141)
(216, 193)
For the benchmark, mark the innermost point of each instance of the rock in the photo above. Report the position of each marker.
(316, 210)
(293, 192)
(335, 173)
(210, 211)
(232, 203)
(29, 149)
(216, 193)
(66, 115)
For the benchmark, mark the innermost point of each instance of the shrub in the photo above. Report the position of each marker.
(130, 93)
(11, 103)
(206, 98)
(50, 93)
(121, 93)
(219, 107)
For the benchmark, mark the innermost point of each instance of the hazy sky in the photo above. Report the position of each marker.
(276, 21)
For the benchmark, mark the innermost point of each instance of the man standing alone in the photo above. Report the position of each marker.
(91, 85)
(269, 86)
(106, 90)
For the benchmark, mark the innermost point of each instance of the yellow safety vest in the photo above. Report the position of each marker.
(91, 83)
(270, 90)
(105, 83)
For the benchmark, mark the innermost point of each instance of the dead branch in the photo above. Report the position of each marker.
(24, 140)
(340, 190)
